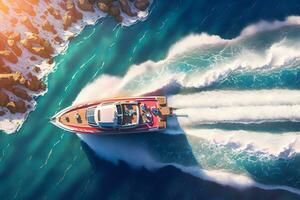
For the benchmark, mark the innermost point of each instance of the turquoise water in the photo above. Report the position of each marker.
(41, 161)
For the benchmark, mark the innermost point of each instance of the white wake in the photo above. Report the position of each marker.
(238, 114)
(240, 107)
(235, 98)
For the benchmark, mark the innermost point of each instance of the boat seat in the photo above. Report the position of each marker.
(165, 110)
(162, 100)
(162, 124)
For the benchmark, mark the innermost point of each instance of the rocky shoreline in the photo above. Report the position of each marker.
(31, 33)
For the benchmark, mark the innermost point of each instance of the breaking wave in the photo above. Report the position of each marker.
(198, 61)
(258, 143)
(138, 156)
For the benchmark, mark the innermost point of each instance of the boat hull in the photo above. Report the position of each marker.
(65, 120)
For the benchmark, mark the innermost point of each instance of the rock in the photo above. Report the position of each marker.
(48, 27)
(33, 58)
(114, 11)
(50, 61)
(25, 7)
(41, 51)
(34, 2)
(9, 40)
(57, 39)
(21, 93)
(17, 10)
(14, 36)
(9, 56)
(19, 78)
(11, 106)
(118, 18)
(12, 40)
(16, 106)
(85, 5)
(126, 8)
(34, 83)
(103, 7)
(14, 47)
(68, 19)
(6, 80)
(38, 46)
(55, 13)
(71, 37)
(4, 98)
(63, 5)
(112, 7)
(45, 13)
(72, 14)
(10, 82)
(44, 17)
(5, 69)
(25, 20)
(36, 69)
(2, 41)
(142, 4)
(13, 21)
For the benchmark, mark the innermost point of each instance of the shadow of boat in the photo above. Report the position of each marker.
(144, 149)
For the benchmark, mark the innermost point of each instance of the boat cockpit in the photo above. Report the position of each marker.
(119, 115)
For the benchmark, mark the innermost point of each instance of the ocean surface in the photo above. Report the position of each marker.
(232, 70)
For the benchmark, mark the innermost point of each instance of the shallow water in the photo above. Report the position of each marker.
(219, 156)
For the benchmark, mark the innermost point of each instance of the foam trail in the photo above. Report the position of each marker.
(238, 114)
(237, 106)
(230, 98)
(283, 145)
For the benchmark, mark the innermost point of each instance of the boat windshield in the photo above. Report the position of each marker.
(90, 116)
(119, 115)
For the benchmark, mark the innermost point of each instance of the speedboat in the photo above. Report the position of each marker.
(115, 116)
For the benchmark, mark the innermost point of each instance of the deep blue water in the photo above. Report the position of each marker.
(42, 162)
